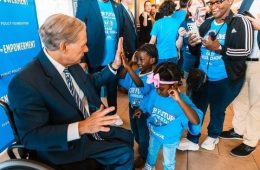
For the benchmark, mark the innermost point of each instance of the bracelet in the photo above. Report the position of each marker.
(110, 65)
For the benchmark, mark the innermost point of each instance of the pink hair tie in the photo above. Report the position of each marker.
(155, 79)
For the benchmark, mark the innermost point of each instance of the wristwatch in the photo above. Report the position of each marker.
(110, 65)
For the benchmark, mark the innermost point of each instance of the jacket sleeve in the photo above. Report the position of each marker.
(101, 78)
(241, 39)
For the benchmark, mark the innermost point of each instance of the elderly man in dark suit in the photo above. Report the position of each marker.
(129, 29)
(57, 110)
(104, 21)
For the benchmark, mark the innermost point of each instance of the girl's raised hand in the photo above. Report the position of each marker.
(174, 93)
(125, 62)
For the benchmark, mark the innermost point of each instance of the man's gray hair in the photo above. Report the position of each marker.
(60, 28)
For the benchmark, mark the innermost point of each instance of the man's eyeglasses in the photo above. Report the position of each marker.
(218, 2)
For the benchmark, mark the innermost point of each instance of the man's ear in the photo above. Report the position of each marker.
(63, 46)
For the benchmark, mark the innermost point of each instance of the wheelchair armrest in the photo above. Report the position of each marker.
(21, 151)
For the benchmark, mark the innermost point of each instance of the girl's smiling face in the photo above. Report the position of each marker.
(144, 61)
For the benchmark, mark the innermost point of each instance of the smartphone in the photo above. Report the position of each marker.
(192, 27)
(246, 13)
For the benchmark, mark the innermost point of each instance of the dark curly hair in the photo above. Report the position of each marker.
(196, 79)
(168, 71)
(167, 8)
(183, 3)
(150, 49)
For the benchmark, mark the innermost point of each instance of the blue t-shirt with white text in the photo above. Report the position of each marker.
(210, 62)
(136, 94)
(167, 120)
(110, 27)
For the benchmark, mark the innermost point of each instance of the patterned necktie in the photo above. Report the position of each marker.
(77, 99)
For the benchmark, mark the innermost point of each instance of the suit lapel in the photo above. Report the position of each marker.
(96, 11)
(129, 18)
(116, 11)
(125, 13)
(56, 80)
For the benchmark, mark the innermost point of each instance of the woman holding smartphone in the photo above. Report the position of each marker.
(226, 42)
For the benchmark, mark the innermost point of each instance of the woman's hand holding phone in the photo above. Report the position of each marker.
(193, 39)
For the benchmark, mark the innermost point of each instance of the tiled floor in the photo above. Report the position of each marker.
(218, 159)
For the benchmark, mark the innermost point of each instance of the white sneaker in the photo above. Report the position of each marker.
(119, 122)
(186, 144)
(209, 143)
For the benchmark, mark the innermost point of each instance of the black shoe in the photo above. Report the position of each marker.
(242, 150)
(230, 134)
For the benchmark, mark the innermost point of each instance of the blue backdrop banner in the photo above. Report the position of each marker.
(19, 43)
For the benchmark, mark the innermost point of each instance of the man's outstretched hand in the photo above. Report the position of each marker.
(120, 51)
(98, 121)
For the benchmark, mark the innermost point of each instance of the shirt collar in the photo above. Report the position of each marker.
(60, 68)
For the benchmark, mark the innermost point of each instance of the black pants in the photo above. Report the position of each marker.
(109, 155)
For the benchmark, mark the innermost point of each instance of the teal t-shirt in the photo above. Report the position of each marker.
(180, 15)
(110, 26)
(166, 32)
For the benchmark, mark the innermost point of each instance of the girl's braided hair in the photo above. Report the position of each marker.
(150, 49)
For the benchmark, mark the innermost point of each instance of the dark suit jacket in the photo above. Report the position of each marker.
(43, 108)
(88, 11)
(129, 33)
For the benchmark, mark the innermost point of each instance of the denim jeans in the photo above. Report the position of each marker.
(169, 153)
(188, 61)
(140, 131)
(218, 95)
